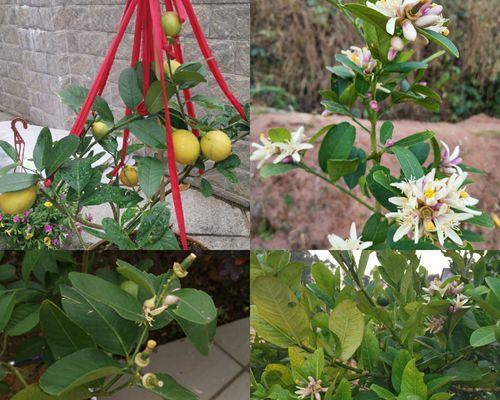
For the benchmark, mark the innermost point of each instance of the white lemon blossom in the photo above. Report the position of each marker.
(292, 147)
(313, 388)
(427, 207)
(351, 243)
(411, 14)
(264, 151)
(362, 57)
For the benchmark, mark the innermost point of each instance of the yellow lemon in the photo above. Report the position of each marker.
(13, 203)
(186, 147)
(216, 146)
(171, 24)
(128, 176)
(99, 130)
(174, 65)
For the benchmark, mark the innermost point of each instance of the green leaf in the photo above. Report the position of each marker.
(339, 168)
(324, 278)
(393, 264)
(386, 131)
(337, 144)
(206, 188)
(107, 293)
(352, 180)
(483, 336)
(382, 392)
(412, 383)
(341, 71)
(188, 79)
(314, 364)
(150, 172)
(154, 97)
(440, 40)
(347, 322)
(61, 151)
(421, 151)
(269, 332)
(375, 229)
(279, 307)
(483, 220)
(399, 363)
(379, 181)
(494, 284)
(149, 132)
(414, 139)
(7, 303)
(77, 173)
(33, 392)
(24, 318)
(112, 194)
(335, 107)
(201, 336)
(62, 334)
(367, 14)
(136, 275)
(405, 66)
(17, 181)
(369, 350)
(7, 272)
(437, 383)
(409, 164)
(348, 96)
(154, 224)
(279, 135)
(9, 150)
(276, 169)
(195, 306)
(76, 369)
(73, 96)
(115, 234)
(129, 88)
(43, 149)
(171, 390)
(101, 322)
(465, 371)
(343, 390)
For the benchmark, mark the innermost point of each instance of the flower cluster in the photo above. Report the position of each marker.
(362, 57)
(428, 207)
(287, 151)
(411, 14)
(313, 389)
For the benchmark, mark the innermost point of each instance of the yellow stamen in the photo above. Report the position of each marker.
(429, 193)
(446, 32)
(354, 57)
(429, 226)
(464, 194)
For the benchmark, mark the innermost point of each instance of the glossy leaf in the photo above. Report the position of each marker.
(375, 229)
(412, 382)
(16, 181)
(43, 149)
(195, 306)
(7, 303)
(409, 164)
(136, 275)
(339, 168)
(483, 336)
(336, 144)
(440, 40)
(276, 169)
(347, 322)
(268, 331)
(33, 392)
(171, 390)
(129, 88)
(61, 151)
(150, 171)
(24, 318)
(149, 132)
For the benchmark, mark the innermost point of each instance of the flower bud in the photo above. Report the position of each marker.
(374, 105)
(150, 381)
(170, 300)
(149, 303)
(142, 360)
(47, 182)
(152, 344)
(188, 261)
(397, 43)
(179, 271)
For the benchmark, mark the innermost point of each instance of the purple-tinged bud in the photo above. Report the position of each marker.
(287, 160)
(374, 105)
(389, 143)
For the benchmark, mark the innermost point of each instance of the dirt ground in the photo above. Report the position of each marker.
(298, 210)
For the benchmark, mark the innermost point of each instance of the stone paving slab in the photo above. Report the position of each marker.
(235, 338)
(216, 377)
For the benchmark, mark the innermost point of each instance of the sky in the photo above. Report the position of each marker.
(433, 260)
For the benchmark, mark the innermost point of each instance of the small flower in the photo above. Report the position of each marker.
(47, 228)
(435, 287)
(47, 183)
(264, 151)
(170, 300)
(449, 161)
(397, 45)
(362, 57)
(411, 14)
(293, 147)
(179, 271)
(26, 214)
(55, 242)
(352, 243)
(48, 204)
(313, 388)
(458, 303)
(47, 241)
(374, 105)
(16, 219)
(454, 288)
(29, 235)
(435, 324)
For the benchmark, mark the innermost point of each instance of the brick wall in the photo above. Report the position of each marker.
(48, 44)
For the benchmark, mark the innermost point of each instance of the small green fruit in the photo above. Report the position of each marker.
(171, 24)
(382, 301)
(100, 130)
(130, 287)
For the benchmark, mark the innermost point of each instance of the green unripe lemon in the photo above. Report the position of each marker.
(99, 130)
(171, 24)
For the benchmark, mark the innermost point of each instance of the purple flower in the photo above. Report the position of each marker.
(55, 242)
(374, 105)
(1, 217)
(89, 217)
(47, 228)
(16, 219)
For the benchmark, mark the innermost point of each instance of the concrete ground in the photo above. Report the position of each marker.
(216, 222)
(223, 375)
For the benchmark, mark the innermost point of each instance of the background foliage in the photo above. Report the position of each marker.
(292, 44)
